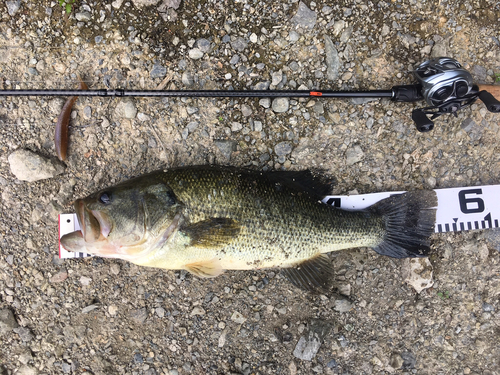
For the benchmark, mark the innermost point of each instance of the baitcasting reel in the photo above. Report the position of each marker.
(446, 87)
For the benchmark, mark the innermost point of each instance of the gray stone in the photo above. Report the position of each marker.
(362, 100)
(239, 44)
(304, 17)
(66, 367)
(354, 155)
(234, 60)
(7, 321)
(172, 3)
(293, 36)
(262, 85)
(24, 333)
(281, 105)
(409, 360)
(369, 122)
(158, 71)
(203, 45)
(283, 148)
(89, 308)
(277, 77)
(126, 109)
(346, 34)
(331, 59)
(487, 307)
(441, 48)
(236, 126)
(473, 130)
(246, 110)
(87, 112)
(264, 157)
(192, 126)
(309, 344)
(342, 305)
(265, 102)
(13, 7)
(492, 236)
(139, 316)
(28, 166)
(319, 108)
(226, 147)
(187, 78)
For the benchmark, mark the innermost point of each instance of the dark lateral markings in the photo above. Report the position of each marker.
(468, 225)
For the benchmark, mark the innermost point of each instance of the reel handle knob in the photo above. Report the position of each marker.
(492, 104)
(422, 122)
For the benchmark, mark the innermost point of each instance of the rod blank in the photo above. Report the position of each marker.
(204, 93)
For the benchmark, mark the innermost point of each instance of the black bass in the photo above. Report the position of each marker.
(207, 219)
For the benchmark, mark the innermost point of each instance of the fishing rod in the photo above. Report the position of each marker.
(442, 82)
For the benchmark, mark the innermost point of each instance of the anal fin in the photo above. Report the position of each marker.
(207, 268)
(314, 274)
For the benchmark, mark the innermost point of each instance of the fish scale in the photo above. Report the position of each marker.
(280, 227)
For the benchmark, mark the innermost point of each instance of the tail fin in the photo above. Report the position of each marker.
(409, 222)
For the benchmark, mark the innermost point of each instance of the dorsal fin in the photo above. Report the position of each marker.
(312, 183)
(314, 274)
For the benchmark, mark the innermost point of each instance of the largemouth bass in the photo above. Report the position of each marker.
(207, 219)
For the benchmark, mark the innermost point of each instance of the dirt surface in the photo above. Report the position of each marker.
(104, 316)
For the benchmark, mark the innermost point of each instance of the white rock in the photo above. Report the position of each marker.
(280, 105)
(126, 109)
(197, 311)
(112, 309)
(195, 54)
(418, 273)
(145, 3)
(27, 370)
(238, 318)
(28, 166)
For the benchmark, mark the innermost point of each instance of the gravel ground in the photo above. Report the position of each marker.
(110, 317)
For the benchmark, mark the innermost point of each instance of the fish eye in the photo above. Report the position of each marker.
(105, 198)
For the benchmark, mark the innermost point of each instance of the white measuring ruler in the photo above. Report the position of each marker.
(458, 209)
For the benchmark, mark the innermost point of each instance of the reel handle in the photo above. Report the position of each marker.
(421, 120)
(490, 96)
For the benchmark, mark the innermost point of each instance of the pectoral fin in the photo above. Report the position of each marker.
(314, 274)
(209, 268)
(213, 232)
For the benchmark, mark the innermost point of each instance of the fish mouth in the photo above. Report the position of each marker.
(94, 225)
(94, 229)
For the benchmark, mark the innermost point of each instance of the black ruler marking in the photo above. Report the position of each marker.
(456, 226)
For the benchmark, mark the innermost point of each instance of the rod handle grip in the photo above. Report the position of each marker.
(407, 93)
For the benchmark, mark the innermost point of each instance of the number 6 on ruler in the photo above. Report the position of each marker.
(465, 202)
